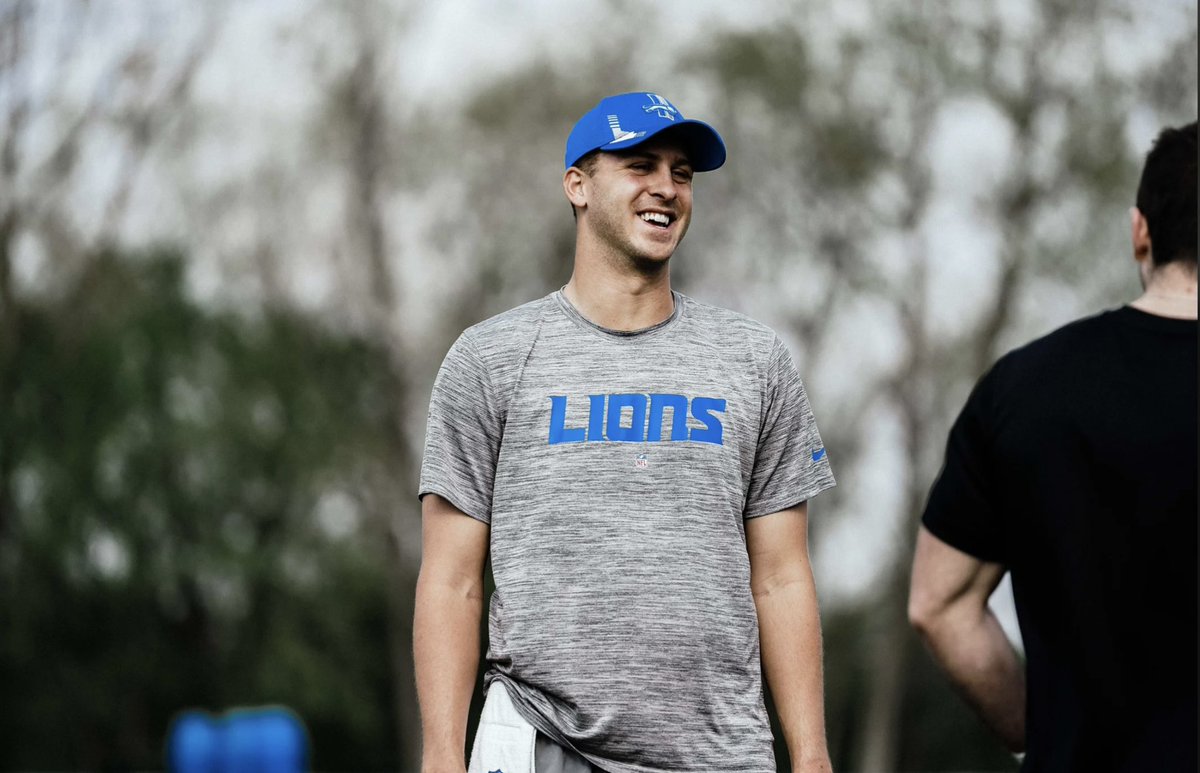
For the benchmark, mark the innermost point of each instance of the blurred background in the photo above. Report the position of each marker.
(237, 238)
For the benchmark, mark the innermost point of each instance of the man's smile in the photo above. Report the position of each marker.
(657, 218)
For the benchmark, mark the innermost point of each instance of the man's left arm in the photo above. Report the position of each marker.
(785, 596)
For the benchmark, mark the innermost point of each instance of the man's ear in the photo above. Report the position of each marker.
(1141, 235)
(574, 187)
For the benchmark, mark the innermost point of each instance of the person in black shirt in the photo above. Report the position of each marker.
(1073, 466)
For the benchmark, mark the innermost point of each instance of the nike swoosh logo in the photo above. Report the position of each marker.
(818, 455)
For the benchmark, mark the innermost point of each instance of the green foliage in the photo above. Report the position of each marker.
(772, 64)
(774, 88)
(180, 525)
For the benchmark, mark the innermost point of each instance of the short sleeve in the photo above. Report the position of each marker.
(463, 432)
(962, 508)
(790, 464)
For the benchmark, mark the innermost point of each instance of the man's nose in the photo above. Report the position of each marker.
(662, 183)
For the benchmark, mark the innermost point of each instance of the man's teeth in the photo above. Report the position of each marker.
(656, 217)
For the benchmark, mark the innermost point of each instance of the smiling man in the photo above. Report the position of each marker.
(638, 465)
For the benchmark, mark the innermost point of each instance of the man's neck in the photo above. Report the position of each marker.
(1171, 292)
(620, 300)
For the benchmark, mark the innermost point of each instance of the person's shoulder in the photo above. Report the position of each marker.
(1065, 343)
(509, 328)
(727, 324)
(1054, 358)
(738, 335)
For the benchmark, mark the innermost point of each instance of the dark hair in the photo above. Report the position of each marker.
(587, 163)
(1166, 195)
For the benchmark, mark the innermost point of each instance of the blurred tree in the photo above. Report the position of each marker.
(109, 109)
(188, 524)
(46, 136)
(364, 142)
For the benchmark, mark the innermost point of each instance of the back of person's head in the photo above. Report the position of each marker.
(1166, 196)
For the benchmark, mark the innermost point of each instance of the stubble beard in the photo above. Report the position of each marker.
(623, 255)
(648, 268)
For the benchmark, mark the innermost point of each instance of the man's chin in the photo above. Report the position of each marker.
(650, 264)
(655, 250)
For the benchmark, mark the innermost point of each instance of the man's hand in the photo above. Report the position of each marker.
(446, 629)
(947, 605)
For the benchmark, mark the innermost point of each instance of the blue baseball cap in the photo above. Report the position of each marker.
(627, 120)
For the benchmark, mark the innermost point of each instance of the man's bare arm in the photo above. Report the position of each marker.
(446, 643)
(948, 606)
(785, 596)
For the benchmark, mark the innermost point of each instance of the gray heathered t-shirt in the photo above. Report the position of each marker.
(616, 471)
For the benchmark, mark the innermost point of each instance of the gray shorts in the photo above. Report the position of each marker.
(506, 743)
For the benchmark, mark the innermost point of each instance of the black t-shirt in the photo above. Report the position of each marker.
(1074, 464)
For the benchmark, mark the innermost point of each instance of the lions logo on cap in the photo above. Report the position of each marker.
(660, 107)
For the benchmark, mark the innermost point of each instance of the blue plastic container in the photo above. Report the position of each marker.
(257, 740)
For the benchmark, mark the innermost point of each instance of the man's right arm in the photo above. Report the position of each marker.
(948, 605)
(449, 607)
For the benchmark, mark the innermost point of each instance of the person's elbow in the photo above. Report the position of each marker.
(949, 589)
(944, 621)
(928, 611)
